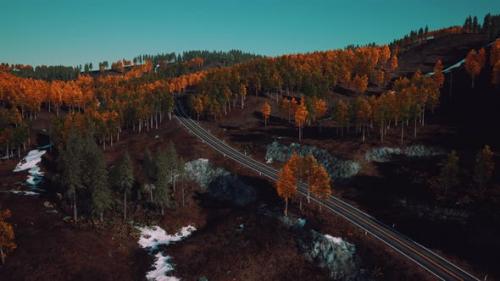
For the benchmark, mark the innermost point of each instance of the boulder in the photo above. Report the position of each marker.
(336, 167)
(334, 254)
(202, 172)
(386, 154)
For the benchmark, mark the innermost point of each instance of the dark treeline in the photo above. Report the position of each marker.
(172, 64)
(490, 26)
(49, 73)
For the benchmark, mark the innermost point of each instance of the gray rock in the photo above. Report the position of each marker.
(202, 172)
(334, 254)
(219, 183)
(336, 167)
(385, 154)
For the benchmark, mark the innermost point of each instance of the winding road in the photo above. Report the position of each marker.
(435, 264)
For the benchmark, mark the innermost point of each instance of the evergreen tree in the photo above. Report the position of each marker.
(95, 172)
(71, 169)
(484, 167)
(172, 163)
(163, 190)
(448, 177)
(123, 179)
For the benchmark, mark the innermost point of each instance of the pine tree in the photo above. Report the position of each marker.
(71, 169)
(163, 190)
(7, 235)
(98, 184)
(449, 172)
(123, 179)
(484, 167)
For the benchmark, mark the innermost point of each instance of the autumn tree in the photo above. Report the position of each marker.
(7, 236)
(360, 83)
(286, 185)
(243, 95)
(341, 115)
(484, 167)
(473, 65)
(438, 73)
(393, 63)
(320, 185)
(363, 115)
(266, 112)
(301, 117)
(495, 79)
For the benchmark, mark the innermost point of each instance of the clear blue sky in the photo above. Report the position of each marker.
(72, 32)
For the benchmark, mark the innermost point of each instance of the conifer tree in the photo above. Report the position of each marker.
(163, 189)
(123, 179)
(71, 166)
(449, 172)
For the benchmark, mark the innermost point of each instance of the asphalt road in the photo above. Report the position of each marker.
(435, 264)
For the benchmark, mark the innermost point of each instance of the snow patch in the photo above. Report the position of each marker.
(335, 240)
(151, 239)
(30, 162)
(23, 192)
(456, 65)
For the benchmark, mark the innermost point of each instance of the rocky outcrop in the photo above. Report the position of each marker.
(334, 254)
(336, 167)
(219, 183)
(202, 172)
(386, 154)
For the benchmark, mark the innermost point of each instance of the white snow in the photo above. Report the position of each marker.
(23, 192)
(153, 237)
(456, 65)
(336, 240)
(30, 162)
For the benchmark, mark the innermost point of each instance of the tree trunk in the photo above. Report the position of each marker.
(2, 255)
(415, 128)
(124, 206)
(286, 207)
(75, 211)
(402, 132)
(183, 197)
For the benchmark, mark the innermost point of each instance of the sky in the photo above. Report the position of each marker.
(72, 32)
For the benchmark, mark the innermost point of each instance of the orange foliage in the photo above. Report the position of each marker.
(438, 73)
(286, 185)
(473, 64)
(266, 112)
(6, 235)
